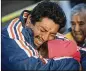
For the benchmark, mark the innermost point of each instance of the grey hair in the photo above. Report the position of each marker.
(78, 8)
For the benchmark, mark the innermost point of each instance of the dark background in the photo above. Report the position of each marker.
(9, 6)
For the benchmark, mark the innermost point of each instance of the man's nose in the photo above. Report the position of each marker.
(77, 28)
(45, 37)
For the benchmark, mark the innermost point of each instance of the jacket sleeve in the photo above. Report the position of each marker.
(83, 58)
(64, 63)
(15, 58)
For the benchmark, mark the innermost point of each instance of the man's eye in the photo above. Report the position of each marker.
(81, 23)
(42, 30)
(52, 36)
(73, 23)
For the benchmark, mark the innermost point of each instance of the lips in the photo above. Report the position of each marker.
(79, 36)
(38, 41)
(78, 33)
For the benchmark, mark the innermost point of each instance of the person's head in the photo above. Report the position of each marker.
(59, 48)
(78, 22)
(47, 19)
(43, 50)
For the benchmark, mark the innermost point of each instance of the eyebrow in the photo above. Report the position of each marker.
(77, 21)
(44, 28)
(80, 22)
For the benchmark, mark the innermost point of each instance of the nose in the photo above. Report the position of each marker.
(77, 28)
(45, 37)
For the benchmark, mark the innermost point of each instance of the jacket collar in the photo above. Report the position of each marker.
(27, 32)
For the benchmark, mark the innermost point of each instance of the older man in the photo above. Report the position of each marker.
(78, 30)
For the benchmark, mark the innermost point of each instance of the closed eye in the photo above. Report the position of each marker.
(81, 23)
(73, 23)
(43, 29)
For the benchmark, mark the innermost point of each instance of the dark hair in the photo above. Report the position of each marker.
(43, 49)
(50, 10)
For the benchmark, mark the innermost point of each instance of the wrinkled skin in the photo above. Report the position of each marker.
(78, 22)
(43, 30)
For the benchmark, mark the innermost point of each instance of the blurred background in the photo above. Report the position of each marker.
(13, 8)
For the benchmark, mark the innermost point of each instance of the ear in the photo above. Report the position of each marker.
(28, 23)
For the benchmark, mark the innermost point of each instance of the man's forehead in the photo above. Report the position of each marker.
(83, 15)
(51, 29)
(48, 24)
(45, 27)
(79, 16)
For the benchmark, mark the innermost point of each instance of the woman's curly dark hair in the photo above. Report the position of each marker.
(50, 10)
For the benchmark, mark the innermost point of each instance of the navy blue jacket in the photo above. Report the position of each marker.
(18, 50)
(82, 49)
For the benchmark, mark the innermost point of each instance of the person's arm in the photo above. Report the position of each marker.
(63, 63)
(15, 58)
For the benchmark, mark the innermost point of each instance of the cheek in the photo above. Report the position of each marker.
(72, 28)
(36, 32)
(84, 30)
(51, 38)
(73, 33)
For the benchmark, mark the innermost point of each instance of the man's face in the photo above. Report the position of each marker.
(44, 30)
(78, 22)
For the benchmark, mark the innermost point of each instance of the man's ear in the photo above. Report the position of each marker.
(28, 23)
